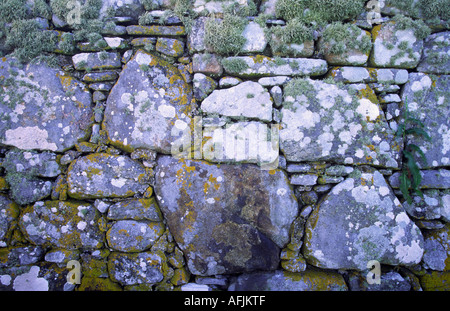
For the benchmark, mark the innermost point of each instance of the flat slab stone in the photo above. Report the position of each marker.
(248, 99)
(227, 218)
(41, 107)
(349, 74)
(325, 122)
(358, 221)
(101, 175)
(155, 30)
(263, 66)
(149, 106)
(99, 60)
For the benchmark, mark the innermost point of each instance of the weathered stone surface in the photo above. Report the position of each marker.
(130, 8)
(434, 205)
(32, 163)
(63, 224)
(130, 269)
(196, 38)
(279, 280)
(255, 39)
(203, 86)
(431, 179)
(325, 122)
(352, 56)
(349, 74)
(358, 221)
(9, 211)
(41, 107)
(390, 281)
(248, 99)
(225, 218)
(170, 47)
(135, 209)
(428, 99)
(155, 30)
(100, 175)
(437, 249)
(435, 57)
(133, 236)
(151, 114)
(388, 50)
(263, 66)
(208, 64)
(99, 60)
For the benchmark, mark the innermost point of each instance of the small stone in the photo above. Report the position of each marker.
(99, 60)
(170, 47)
(208, 64)
(303, 179)
(155, 30)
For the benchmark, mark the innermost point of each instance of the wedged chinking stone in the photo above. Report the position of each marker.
(358, 221)
(101, 175)
(225, 218)
(325, 122)
(428, 100)
(41, 107)
(149, 106)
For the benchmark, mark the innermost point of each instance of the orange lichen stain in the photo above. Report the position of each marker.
(272, 172)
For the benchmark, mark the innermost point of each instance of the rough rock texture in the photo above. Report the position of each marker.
(42, 108)
(358, 221)
(435, 57)
(102, 175)
(325, 122)
(144, 115)
(428, 99)
(216, 218)
(68, 225)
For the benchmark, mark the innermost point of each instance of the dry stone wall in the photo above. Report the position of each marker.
(222, 145)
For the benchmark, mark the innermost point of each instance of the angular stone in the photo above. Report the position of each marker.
(129, 8)
(303, 179)
(388, 50)
(196, 38)
(437, 249)
(263, 66)
(279, 280)
(100, 76)
(155, 30)
(226, 219)
(390, 281)
(326, 122)
(64, 224)
(170, 47)
(101, 175)
(428, 99)
(358, 221)
(139, 268)
(27, 189)
(248, 99)
(436, 58)
(208, 64)
(203, 86)
(135, 209)
(41, 107)
(434, 205)
(153, 113)
(99, 60)
(255, 39)
(133, 236)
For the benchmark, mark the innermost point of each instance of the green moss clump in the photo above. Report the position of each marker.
(295, 32)
(318, 11)
(225, 36)
(234, 65)
(432, 11)
(299, 86)
(29, 40)
(339, 38)
(421, 30)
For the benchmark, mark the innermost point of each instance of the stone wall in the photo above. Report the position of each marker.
(221, 145)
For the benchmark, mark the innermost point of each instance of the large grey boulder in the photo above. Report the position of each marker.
(227, 218)
(41, 107)
(358, 221)
(149, 106)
